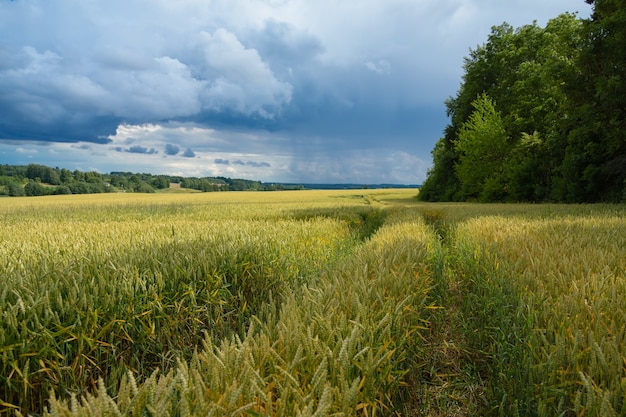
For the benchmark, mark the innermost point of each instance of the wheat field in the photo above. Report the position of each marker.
(310, 303)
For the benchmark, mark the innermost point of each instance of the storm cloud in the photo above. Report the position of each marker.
(189, 153)
(136, 149)
(253, 164)
(171, 149)
(316, 91)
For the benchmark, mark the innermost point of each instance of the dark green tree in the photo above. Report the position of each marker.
(160, 182)
(15, 189)
(142, 187)
(93, 177)
(62, 189)
(53, 177)
(79, 187)
(78, 175)
(33, 188)
(441, 183)
(594, 164)
(43, 173)
(522, 70)
(66, 176)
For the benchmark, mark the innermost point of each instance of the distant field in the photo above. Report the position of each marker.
(334, 302)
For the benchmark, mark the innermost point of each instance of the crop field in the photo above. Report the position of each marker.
(310, 303)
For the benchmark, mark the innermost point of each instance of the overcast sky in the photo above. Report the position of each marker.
(272, 90)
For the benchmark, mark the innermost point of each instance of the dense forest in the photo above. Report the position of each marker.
(37, 180)
(540, 115)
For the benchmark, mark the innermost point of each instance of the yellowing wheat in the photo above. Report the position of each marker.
(570, 273)
(96, 286)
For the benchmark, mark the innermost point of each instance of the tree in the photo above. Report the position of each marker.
(160, 182)
(524, 71)
(66, 176)
(78, 175)
(142, 187)
(62, 189)
(53, 177)
(15, 189)
(594, 164)
(33, 188)
(526, 170)
(483, 149)
(93, 177)
(441, 183)
(78, 187)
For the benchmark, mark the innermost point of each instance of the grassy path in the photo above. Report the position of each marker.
(533, 313)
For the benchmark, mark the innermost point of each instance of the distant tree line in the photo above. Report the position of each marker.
(38, 180)
(540, 115)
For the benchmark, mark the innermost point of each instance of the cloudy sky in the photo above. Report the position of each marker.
(272, 90)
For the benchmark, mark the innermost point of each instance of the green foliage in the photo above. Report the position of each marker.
(526, 170)
(15, 189)
(562, 84)
(62, 189)
(161, 182)
(34, 188)
(142, 187)
(483, 151)
(441, 184)
(203, 184)
(594, 166)
(78, 182)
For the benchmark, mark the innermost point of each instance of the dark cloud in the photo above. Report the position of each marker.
(253, 164)
(258, 164)
(136, 149)
(289, 50)
(171, 149)
(82, 89)
(141, 149)
(311, 83)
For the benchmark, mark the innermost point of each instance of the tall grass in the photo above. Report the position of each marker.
(547, 299)
(340, 345)
(113, 289)
(312, 304)
(93, 289)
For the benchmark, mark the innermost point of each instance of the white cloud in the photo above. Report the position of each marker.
(26, 151)
(102, 64)
(379, 67)
(239, 79)
(164, 90)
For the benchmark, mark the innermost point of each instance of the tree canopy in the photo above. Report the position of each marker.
(37, 180)
(539, 115)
